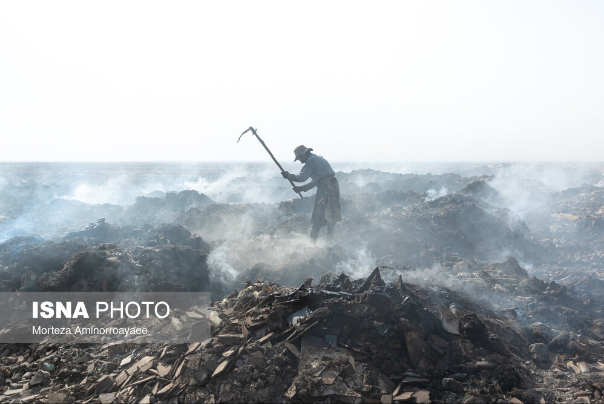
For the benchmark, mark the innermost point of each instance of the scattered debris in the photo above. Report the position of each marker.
(471, 301)
(338, 349)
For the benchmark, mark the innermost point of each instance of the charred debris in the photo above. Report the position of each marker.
(342, 340)
(470, 296)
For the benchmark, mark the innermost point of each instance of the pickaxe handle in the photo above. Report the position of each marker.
(269, 152)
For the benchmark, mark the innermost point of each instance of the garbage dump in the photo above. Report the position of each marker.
(342, 340)
(481, 284)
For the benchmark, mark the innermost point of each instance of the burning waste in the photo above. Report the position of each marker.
(453, 287)
(342, 340)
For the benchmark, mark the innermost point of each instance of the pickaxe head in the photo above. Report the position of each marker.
(246, 131)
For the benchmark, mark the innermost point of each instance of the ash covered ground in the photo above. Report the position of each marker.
(444, 282)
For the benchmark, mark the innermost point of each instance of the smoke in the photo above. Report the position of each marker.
(218, 264)
(433, 194)
(51, 200)
(276, 253)
(243, 236)
(433, 278)
(528, 266)
(254, 234)
(115, 190)
(528, 189)
(259, 220)
(16, 227)
(224, 183)
(359, 265)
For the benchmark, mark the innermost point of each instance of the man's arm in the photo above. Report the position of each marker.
(305, 187)
(304, 174)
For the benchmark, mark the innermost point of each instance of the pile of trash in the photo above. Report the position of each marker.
(105, 257)
(489, 287)
(343, 340)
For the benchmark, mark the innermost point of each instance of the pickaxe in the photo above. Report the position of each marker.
(269, 152)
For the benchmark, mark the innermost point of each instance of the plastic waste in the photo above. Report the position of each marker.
(48, 367)
(449, 321)
(584, 367)
(176, 324)
(215, 319)
(299, 315)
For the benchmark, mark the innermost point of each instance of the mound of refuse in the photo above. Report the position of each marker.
(106, 257)
(344, 340)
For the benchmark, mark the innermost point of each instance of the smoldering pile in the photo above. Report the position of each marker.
(343, 340)
(105, 257)
(517, 265)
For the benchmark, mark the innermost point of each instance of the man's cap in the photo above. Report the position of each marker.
(301, 151)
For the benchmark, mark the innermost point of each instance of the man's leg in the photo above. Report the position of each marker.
(330, 227)
(314, 232)
(317, 219)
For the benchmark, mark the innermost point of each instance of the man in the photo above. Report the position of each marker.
(326, 210)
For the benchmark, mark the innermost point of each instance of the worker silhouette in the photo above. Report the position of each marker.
(326, 210)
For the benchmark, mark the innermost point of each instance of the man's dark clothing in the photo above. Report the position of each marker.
(326, 210)
(315, 167)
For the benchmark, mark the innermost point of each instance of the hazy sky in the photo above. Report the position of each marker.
(396, 81)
